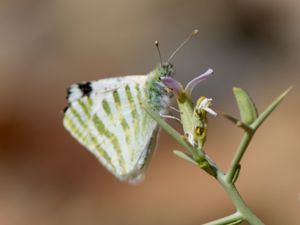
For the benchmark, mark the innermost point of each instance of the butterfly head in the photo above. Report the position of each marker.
(165, 70)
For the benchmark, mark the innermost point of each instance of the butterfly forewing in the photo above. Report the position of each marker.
(77, 91)
(112, 124)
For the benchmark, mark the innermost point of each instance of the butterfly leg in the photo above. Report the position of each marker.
(175, 109)
(171, 117)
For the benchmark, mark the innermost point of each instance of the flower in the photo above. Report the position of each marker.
(193, 83)
(177, 87)
(173, 84)
(204, 103)
(192, 116)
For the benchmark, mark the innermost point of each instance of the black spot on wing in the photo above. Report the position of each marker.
(68, 93)
(65, 109)
(79, 90)
(86, 88)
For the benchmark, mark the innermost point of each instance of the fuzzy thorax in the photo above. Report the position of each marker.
(158, 95)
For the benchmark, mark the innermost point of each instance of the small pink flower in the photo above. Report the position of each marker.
(173, 84)
(178, 88)
(193, 83)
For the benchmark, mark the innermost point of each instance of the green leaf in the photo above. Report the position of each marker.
(246, 106)
(185, 156)
(264, 115)
(237, 122)
(236, 174)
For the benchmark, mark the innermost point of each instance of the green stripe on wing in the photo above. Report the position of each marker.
(99, 125)
(79, 129)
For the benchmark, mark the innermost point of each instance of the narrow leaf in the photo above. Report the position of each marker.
(236, 174)
(185, 156)
(269, 109)
(237, 122)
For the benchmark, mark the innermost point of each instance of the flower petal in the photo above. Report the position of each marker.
(173, 84)
(204, 104)
(210, 111)
(193, 83)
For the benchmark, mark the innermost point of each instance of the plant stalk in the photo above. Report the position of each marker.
(237, 200)
(238, 156)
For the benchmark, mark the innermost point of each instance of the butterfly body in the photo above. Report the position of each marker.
(107, 117)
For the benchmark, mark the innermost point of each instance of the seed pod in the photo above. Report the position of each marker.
(246, 106)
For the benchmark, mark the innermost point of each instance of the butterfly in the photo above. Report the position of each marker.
(107, 117)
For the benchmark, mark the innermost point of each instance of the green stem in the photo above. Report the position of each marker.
(235, 218)
(238, 156)
(237, 200)
(249, 131)
(200, 158)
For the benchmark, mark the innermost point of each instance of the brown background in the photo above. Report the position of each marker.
(46, 177)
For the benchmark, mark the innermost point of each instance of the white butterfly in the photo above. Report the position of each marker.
(108, 118)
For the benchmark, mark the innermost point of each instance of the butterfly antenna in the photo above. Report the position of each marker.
(194, 33)
(158, 50)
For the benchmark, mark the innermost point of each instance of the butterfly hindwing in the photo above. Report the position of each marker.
(76, 121)
(111, 123)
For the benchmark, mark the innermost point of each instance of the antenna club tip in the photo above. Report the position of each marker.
(156, 43)
(210, 71)
(195, 32)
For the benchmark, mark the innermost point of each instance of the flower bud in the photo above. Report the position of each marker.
(246, 106)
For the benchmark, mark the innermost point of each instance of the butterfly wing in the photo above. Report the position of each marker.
(108, 119)
(96, 88)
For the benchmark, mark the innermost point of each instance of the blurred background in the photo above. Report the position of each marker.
(46, 177)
